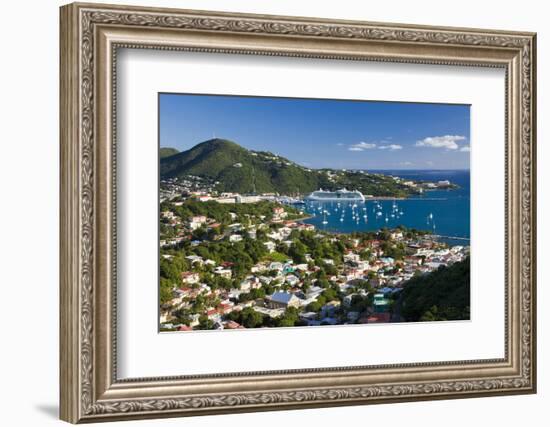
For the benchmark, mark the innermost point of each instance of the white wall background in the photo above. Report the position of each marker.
(29, 170)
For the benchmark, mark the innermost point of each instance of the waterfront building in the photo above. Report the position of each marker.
(247, 199)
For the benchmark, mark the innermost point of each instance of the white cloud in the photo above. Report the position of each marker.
(361, 146)
(465, 148)
(406, 163)
(429, 163)
(339, 144)
(391, 147)
(446, 141)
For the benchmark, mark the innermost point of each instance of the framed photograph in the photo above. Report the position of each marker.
(266, 213)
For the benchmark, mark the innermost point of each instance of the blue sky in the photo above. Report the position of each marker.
(324, 133)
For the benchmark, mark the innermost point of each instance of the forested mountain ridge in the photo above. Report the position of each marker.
(234, 168)
(167, 152)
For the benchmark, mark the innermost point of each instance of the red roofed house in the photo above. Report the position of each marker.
(225, 308)
(279, 214)
(213, 314)
(379, 318)
(233, 325)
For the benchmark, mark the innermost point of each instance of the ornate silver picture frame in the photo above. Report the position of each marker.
(91, 34)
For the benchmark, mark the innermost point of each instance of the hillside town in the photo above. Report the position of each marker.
(232, 261)
(207, 189)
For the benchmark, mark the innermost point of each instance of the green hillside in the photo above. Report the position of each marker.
(441, 295)
(167, 152)
(237, 169)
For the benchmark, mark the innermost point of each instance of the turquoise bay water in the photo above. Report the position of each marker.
(444, 212)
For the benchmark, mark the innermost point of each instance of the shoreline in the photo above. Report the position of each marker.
(427, 233)
(302, 218)
(416, 196)
(436, 237)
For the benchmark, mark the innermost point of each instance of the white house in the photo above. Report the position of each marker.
(292, 280)
(246, 285)
(396, 235)
(266, 280)
(189, 277)
(352, 257)
(223, 272)
(194, 319)
(276, 266)
(275, 236)
(168, 214)
(196, 221)
(270, 246)
(302, 267)
(194, 259)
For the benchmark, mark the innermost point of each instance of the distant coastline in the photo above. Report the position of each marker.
(450, 210)
(221, 166)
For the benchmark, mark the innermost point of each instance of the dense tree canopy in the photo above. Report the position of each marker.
(441, 295)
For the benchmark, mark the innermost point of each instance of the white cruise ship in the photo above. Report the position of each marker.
(342, 194)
